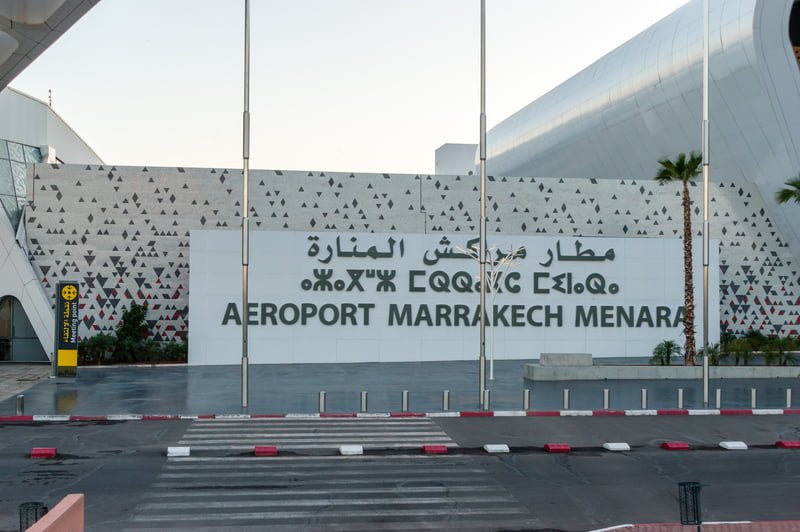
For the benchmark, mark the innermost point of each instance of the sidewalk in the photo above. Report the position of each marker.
(16, 378)
(280, 389)
(754, 526)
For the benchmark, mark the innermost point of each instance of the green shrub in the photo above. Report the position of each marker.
(175, 352)
(773, 349)
(780, 350)
(726, 337)
(713, 354)
(96, 349)
(663, 353)
(739, 348)
(132, 330)
(131, 345)
(132, 323)
(126, 351)
(150, 352)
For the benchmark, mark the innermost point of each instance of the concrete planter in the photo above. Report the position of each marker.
(535, 372)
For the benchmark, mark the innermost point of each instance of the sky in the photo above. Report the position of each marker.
(336, 85)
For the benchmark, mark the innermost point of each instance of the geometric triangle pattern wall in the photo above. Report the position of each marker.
(123, 232)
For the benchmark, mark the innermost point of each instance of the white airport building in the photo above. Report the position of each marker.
(571, 180)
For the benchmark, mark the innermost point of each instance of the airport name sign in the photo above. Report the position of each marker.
(364, 297)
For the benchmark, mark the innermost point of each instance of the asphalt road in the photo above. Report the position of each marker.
(131, 485)
(113, 463)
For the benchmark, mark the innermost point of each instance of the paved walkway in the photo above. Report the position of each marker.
(276, 389)
(16, 378)
(756, 526)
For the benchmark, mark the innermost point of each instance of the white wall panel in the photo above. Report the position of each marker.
(754, 105)
(124, 231)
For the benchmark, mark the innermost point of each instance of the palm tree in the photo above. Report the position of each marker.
(663, 353)
(790, 192)
(756, 341)
(684, 170)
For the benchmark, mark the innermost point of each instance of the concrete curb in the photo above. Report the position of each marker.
(539, 373)
(51, 418)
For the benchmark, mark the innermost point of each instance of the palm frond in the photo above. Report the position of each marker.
(790, 192)
(680, 168)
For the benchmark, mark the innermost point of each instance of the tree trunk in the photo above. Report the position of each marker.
(688, 279)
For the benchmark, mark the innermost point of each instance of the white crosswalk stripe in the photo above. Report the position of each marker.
(219, 490)
(313, 433)
(393, 492)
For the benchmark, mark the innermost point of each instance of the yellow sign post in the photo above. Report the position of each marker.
(66, 345)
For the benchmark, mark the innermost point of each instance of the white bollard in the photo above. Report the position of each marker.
(788, 398)
(363, 402)
(644, 399)
(404, 405)
(322, 402)
(446, 400)
(752, 397)
(680, 397)
(526, 399)
(606, 399)
(565, 402)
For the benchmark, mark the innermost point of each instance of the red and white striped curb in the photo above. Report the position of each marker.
(463, 413)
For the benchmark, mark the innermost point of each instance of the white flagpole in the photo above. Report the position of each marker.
(706, 175)
(245, 201)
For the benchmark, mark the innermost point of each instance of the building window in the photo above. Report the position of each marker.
(5, 329)
(14, 158)
(18, 340)
(794, 29)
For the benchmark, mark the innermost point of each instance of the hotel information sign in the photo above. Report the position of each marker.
(66, 329)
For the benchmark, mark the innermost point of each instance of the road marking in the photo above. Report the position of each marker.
(373, 490)
(253, 460)
(447, 512)
(450, 477)
(325, 502)
(248, 432)
(344, 492)
(236, 434)
(312, 473)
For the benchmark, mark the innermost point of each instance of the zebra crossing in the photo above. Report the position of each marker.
(391, 492)
(308, 491)
(306, 434)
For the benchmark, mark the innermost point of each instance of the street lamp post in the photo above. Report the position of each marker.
(245, 202)
(482, 225)
(706, 172)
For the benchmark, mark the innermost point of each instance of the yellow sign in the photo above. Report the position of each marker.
(68, 357)
(69, 292)
(66, 348)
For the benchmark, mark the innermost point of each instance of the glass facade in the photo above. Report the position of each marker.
(14, 158)
(18, 341)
